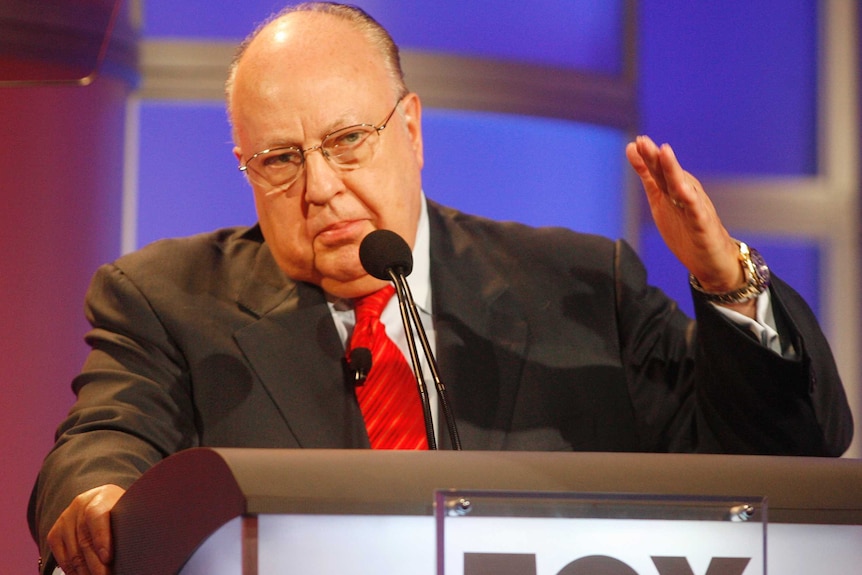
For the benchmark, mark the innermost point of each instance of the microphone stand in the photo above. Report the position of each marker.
(399, 281)
(402, 289)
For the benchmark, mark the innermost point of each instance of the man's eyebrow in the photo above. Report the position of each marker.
(345, 120)
(281, 143)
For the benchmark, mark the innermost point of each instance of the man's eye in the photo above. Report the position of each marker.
(349, 139)
(282, 158)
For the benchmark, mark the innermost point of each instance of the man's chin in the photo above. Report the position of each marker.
(351, 288)
(339, 273)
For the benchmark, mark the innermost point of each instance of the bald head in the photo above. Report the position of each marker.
(374, 34)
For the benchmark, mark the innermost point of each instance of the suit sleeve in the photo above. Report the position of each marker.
(752, 400)
(132, 407)
(708, 386)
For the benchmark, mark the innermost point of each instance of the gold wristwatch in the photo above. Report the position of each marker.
(756, 271)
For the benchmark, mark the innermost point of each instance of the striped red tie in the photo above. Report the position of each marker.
(389, 399)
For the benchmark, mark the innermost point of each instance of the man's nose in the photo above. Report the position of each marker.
(322, 180)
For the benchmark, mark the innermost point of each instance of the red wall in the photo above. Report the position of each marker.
(60, 200)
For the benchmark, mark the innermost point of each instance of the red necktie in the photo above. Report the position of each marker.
(388, 399)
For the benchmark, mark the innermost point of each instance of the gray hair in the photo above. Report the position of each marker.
(368, 26)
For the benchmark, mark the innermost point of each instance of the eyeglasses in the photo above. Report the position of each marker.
(347, 148)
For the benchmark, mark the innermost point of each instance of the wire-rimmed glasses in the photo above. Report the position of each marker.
(347, 148)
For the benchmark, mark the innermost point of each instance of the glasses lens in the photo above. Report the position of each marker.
(351, 147)
(278, 166)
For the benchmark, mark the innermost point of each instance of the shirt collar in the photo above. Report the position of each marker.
(420, 278)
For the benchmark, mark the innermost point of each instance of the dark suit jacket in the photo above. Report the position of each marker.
(546, 340)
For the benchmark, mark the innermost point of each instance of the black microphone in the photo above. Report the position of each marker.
(359, 363)
(384, 250)
(385, 255)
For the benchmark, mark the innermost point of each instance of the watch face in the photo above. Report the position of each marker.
(760, 266)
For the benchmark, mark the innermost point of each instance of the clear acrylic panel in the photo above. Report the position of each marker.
(525, 533)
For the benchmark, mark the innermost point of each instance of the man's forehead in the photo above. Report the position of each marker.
(311, 47)
(301, 28)
(312, 44)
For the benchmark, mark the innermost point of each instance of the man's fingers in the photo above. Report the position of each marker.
(73, 549)
(94, 535)
(650, 153)
(64, 545)
(81, 537)
(94, 565)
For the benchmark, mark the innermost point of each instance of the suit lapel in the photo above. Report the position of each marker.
(295, 350)
(481, 337)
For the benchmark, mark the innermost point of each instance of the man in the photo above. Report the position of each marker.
(547, 339)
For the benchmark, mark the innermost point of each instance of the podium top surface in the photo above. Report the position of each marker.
(364, 482)
(179, 502)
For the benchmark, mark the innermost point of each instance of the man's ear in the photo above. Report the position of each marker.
(412, 107)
